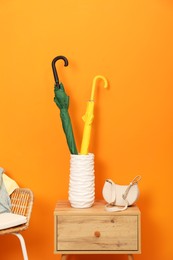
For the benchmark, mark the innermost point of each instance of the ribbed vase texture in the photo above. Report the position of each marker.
(82, 181)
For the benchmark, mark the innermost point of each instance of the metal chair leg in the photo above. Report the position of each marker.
(23, 246)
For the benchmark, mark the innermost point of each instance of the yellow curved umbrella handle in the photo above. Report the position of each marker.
(94, 85)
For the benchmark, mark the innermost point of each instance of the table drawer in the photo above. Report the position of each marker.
(100, 233)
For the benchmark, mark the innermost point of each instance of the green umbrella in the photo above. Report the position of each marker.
(62, 101)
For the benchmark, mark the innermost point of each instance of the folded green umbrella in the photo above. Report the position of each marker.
(62, 101)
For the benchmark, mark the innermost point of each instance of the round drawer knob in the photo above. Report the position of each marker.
(97, 234)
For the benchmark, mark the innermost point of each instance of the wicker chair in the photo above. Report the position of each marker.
(22, 202)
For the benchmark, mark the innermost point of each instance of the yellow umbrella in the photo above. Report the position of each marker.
(89, 116)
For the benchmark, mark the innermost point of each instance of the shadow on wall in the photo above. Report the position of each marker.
(100, 257)
(150, 249)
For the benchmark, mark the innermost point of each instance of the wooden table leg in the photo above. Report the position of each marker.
(64, 257)
(130, 257)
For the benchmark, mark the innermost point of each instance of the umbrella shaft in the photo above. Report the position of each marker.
(85, 139)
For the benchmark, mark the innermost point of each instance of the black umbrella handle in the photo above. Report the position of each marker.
(54, 67)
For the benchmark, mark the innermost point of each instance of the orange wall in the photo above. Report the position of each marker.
(130, 43)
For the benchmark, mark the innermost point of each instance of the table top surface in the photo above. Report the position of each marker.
(63, 207)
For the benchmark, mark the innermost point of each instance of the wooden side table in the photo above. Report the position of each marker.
(96, 231)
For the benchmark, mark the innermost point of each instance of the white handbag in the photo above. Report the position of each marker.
(119, 197)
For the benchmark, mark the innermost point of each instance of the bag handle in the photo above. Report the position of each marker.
(134, 181)
(124, 196)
